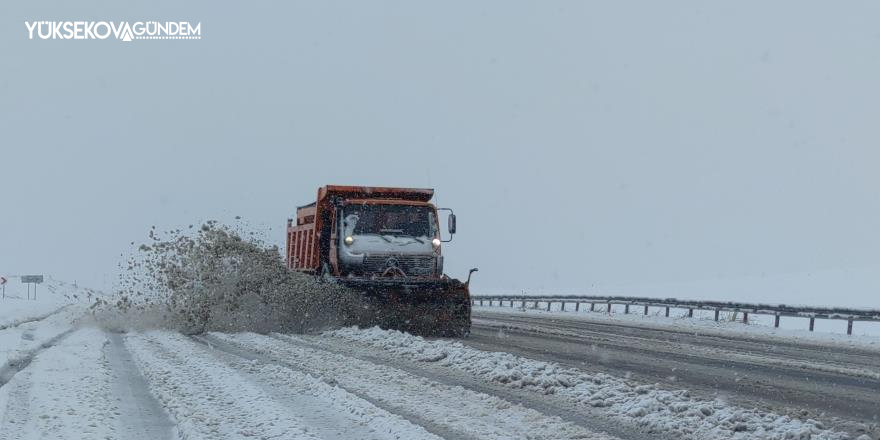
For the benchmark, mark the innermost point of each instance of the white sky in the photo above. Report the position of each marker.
(583, 145)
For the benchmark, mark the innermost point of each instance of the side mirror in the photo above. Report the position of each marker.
(450, 223)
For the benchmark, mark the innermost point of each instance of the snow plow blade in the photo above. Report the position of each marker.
(423, 307)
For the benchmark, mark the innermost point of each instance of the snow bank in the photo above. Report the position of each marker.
(647, 406)
(52, 295)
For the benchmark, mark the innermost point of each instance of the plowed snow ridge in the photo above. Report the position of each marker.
(644, 405)
(462, 412)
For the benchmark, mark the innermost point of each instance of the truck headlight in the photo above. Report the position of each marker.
(349, 240)
(436, 243)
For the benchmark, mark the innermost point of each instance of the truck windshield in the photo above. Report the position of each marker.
(413, 221)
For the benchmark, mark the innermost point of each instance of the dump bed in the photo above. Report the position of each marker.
(302, 240)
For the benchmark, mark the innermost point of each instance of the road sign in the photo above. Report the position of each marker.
(2, 281)
(36, 279)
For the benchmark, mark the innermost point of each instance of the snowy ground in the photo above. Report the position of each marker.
(64, 377)
(16, 307)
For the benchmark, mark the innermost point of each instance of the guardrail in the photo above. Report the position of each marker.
(777, 310)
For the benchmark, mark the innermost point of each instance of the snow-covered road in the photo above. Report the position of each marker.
(65, 377)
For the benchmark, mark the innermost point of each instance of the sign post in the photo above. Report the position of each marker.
(32, 279)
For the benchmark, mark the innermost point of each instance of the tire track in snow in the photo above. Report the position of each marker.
(207, 400)
(581, 416)
(14, 365)
(142, 414)
(329, 418)
(31, 338)
(462, 412)
(64, 393)
(237, 398)
(414, 418)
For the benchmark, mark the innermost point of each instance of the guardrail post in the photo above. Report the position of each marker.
(563, 306)
(523, 304)
(577, 306)
(776, 321)
(481, 302)
(548, 305)
(592, 307)
(626, 309)
(812, 322)
(667, 311)
(646, 310)
(690, 313)
(717, 312)
(511, 304)
(745, 317)
(536, 305)
(849, 326)
(609, 307)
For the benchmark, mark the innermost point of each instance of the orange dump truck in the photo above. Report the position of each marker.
(384, 243)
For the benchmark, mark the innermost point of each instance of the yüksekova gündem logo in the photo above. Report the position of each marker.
(100, 30)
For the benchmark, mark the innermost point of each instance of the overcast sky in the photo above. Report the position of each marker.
(583, 145)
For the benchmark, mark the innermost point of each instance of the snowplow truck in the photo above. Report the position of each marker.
(385, 245)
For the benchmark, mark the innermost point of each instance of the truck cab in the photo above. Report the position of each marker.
(388, 238)
(369, 232)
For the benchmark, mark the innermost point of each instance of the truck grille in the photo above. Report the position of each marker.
(412, 265)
